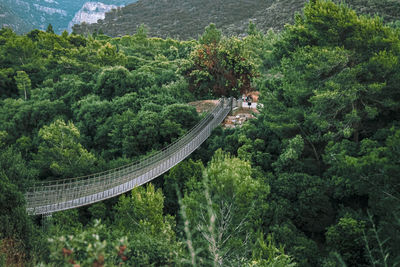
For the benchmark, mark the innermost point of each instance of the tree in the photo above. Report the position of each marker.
(219, 66)
(145, 204)
(211, 35)
(114, 81)
(185, 115)
(18, 50)
(7, 86)
(18, 236)
(60, 155)
(23, 118)
(94, 246)
(23, 83)
(252, 29)
(91, 115)
(108, 55)
(330, 107)
(178, 181)
(70, 89)
(141, 32)
(140, 217)
(15, 225)
(50, 29)
(141, 133)
(267, 254)
(222, 208)
(346, 238)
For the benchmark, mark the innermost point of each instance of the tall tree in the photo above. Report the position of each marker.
(60, 153)
(223, 207)
(50, 29)
(23, 83)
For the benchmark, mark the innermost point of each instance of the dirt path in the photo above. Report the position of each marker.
(238, 117)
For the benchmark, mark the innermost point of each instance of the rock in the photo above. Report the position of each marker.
(90, 12)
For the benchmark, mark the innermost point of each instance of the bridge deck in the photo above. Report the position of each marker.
(51, 196)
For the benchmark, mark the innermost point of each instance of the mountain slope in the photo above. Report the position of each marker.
(9, 18)
(179, 18)
(59, 13)
(185, 19)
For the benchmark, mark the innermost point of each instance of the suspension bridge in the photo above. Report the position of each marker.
(47, 197)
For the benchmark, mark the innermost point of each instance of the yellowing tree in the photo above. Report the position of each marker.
(220, 66)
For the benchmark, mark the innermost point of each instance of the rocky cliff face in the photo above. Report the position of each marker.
(39, 13)
(60, 13)
(91, 12)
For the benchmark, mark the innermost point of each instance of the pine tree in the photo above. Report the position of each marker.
(50, 29)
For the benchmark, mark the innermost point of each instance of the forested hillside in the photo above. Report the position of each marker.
(184, 19)
(8, 18)
(25, 15)
(313, 180)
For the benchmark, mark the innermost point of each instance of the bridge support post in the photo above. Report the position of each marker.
(231, 106)
(47, 220)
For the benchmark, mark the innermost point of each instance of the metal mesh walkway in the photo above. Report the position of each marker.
(51, 196)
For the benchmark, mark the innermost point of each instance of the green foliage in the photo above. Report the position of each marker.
(211, 35)
(99, 211)
(222, 209)
(95, 246)
(330, 107)
(63, 223)
(267, 254)
(109, 55)
(15, 223)
(142, 132)
(114, 81)
(144, 206)
(179, 180)
(219, 66)
(345, 238)
(50, 29)
(377, 249)
(60, 153)
(260, 49)
(323, 149)
(7, 86)
(20, 238)
(23, 83)
(151, 235)
(185, 115)
(25, 118)
(92, 115)
(152, 127)
(252, 29)
(15, 168)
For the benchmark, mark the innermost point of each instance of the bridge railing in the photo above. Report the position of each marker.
(50, 196)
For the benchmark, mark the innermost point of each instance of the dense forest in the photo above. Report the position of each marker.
(313, 180)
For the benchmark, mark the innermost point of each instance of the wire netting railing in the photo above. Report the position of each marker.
(50, 196)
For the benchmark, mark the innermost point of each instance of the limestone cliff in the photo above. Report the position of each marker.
(90, 12)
